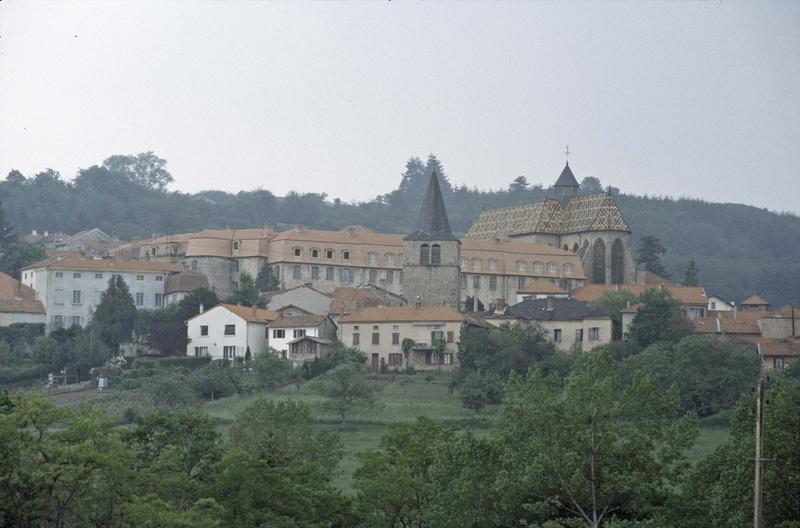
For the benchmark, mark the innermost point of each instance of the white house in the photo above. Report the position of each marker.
(288, 328)
(226, 331)
(18, 303)
(718, 304)
(71, 287)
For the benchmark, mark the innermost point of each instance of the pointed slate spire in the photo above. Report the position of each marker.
(432, 223)
(567, 179)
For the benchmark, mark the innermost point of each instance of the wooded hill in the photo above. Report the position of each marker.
(738, 249)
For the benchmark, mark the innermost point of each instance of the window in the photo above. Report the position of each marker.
(58, 320)
(579, 335)
(372, 258)
(59, 274)
(159, 278)
(76, 320)
(159, 301)
(557, 335)
(463, 280)
(278, 333)
(476, 281)
(436, 335)
(346, 254)
(373, 276)
(204, 330)
(567, 269)
(76, 275)
(314, 272)
(493, 282)
(76, 297)
(297, 252)
(552, 267)
(59, 296)
(139, 299)
(522, 266)
(98, 275)
(777, 363)
(194, 265)
(154, 251)
(388, 259)
(395, 338)
(314, 253)
(299, 332)
(395, 359)
(424, 254)
(229, 352)
(476, 263)
(492, 264)
(329, 254)
(390, 276)
(538, 267)
(140, 277)
(230, 329)
(200, 351)
(436, 255)
(594, 333)
(520, 283)
(345, 275)
(448, 358)
(356, 339)
(462, 263)
(450, 336)
(329, 273)
(376, 335)
(713, 305)
(296, 272)
(236, 246)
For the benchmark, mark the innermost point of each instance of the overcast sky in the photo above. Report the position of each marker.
(697, 99)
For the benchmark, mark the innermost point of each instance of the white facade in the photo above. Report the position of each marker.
(9, 318)
(279, 337)
(222, 334)
(70, 296)
(719, 304)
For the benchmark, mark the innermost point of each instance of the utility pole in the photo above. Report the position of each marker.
(758, 487)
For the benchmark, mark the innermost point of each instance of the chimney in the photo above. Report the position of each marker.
(33, 232)
(254, 311)
(201, 308)
(549, 304)
(500, 305)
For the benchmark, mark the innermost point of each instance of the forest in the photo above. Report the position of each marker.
(738, 249)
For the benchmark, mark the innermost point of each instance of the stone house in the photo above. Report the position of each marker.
(568, 323)
(380, 330)
(228, 331)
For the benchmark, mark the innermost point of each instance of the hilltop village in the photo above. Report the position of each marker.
(546, 263)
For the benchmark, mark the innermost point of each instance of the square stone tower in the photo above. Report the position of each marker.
(431, 255)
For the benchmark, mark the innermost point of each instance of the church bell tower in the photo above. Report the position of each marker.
(431, 255)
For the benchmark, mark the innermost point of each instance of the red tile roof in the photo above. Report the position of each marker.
(685, 295)
(387, 314)
(754, 300)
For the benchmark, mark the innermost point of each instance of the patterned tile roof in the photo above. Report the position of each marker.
(592, 212)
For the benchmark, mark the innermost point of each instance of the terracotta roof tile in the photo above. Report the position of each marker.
(246, 312)
(754, 300)
(386, 314)
(21, 306)
(686, 295)
(349, 300)
(185, 281)
(779, 347)
(298, 321)
(11, 289)
(542, 286)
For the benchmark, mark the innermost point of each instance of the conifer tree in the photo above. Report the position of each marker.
(690, 278)
(649, 254)
(7, 234)
(266, 279)
(115, 316)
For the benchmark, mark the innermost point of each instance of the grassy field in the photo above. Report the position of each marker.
(403, 398)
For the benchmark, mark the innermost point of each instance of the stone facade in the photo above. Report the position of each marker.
(432, 284)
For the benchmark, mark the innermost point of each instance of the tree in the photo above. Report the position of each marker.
(520, 183)
(7, 234)
(478, 391)
(266, 279)
(115, 316)
(589, 445)
(690, 277)
(246, 293)
(659, 318)
(145, 169)
(406, 345)
(17, 255)
(271, 371)
(614, 302)
(649, 253)
(591, 185)
(216, 380)
(346, 389)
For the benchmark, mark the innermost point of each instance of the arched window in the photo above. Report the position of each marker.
(476, 263)
(538, 267)
(575, 248)
(567, 269)
(372, 257)
(599, 262)
(436, 255)
(552, 267)
(617, 262)
(522, 266)
(462, 262)
(425, 254)
(566, 247)
(492, 264)
(388, 259)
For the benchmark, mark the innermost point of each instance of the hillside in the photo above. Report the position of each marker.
(739, 249)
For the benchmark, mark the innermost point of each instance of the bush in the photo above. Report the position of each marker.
(23, 373)
(188, 362)
(270, 371)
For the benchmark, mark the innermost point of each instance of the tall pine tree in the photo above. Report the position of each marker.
(649, 254)
(691, 278)
(115, 316)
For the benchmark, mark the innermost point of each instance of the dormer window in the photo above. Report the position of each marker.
(462, 262)
(492, 264)
(329, 254)
(552, 267)
(522, 266)
(297, 252)
(389, 259)
(314, 253)
(567, 269)
(538, 267)
(372, 258)
(346, 254)
(476, 263)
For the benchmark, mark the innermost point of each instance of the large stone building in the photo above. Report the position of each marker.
(568, 241)
(590, 226)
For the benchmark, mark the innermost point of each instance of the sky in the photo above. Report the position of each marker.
(697, 99)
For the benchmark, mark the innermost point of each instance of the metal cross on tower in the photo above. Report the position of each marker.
(566, 151)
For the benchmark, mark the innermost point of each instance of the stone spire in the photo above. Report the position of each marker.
(432, 223)
(566, 186)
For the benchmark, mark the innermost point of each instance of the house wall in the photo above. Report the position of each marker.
(432, 285)
(247, 334)
(719, 305)
(308, 299)
(56, 292)
(568, 331)
(419, 332)
(222, 273)
(281, 344)
(778, 327)
(9, 318)
(294, 274)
